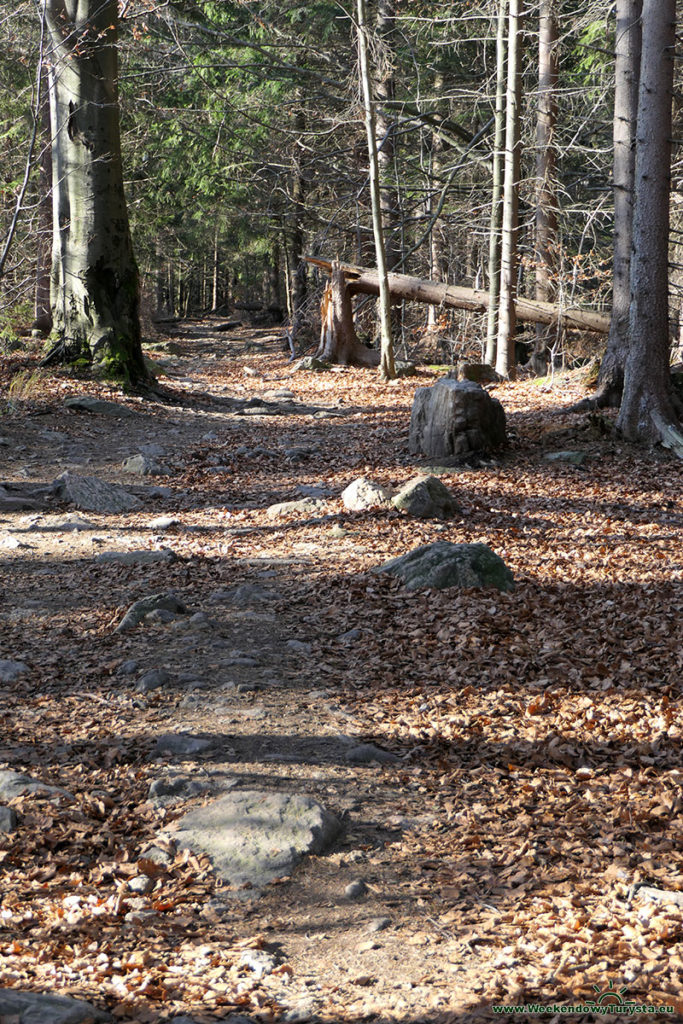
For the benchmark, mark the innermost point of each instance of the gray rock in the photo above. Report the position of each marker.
(141, 884)
(455, 418)
(182, 743)
(11, 670)
(164, 523)
(654, 895)
(8, 819)
(172, 789)
(70, 523)
(355, 889)
(162, 615)
(350, 636)
(363, 493)
(305, 505)
(245, 594)
(298, 454)
(143, 465)
(427, 498)
(139, 609)
(259, 961)
(443, 564)
(311, 363)
(404, 368)
(34, 1008)
(299, 646)
(365, 753)
(143, 557)
(480, 373)
(152, 680)
(86, 403)
(94, 495)
(13, 784)
(158, 856)
(127, 668)
(253, 837)
(152, 450)
(377, 924)
(574, 458)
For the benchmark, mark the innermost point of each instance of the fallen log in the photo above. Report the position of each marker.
(363, 281)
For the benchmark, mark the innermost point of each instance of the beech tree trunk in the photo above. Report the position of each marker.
(507, 319)
(497, 187)
(385, 131)
(95, 286)
(648, 410)
(42, 320)
(628, 42)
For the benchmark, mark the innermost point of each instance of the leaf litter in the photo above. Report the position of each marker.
(538, 732)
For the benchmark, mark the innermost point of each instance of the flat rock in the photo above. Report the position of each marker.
(11, 670)
(164, 523)
(573, 458)
(366, 753)
(182, 743)
(94, 495)
(152, 680)
(86, 403)
(311, 363)
(14, 784)
(165, 792)
(305, 505)
(443, 564)
(245, 594)
(426, 498)
(34, 1008)
(363, 493)
(139, 609)
(654, 895)
(253, 836)
(143, 557)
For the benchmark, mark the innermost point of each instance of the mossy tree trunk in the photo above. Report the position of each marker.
(94, 283)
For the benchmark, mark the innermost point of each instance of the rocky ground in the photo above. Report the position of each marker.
(501, 770)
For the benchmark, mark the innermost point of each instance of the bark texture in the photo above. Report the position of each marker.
(497, 187)
(647, 409)
(338, 340)
(94, 285)
(628, 42)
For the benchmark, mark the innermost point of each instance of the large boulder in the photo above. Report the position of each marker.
(443, 564)
(455, 418)
(427, 498)
(36, 1008)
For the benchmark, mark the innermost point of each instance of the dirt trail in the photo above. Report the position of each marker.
(291, 656)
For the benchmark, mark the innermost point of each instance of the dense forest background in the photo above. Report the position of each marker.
(244, 150)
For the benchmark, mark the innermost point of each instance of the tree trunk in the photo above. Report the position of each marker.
(385, 131)
(363, 281)
(497, 187)
(628, 41)
(95, 285)
(295, 241)
(546, 169)
(647, 410)
(42, 311)
(386, 363)
(338, 341)
(507, 319)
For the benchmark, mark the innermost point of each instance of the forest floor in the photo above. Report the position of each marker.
(538, 779)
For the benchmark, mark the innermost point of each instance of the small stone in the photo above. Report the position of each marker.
(8, 819)
(158, 856)
(574, 458)
(166, 791)
(303, 505)
(299, 646)
(349, 636)
(200, 619)
(144, 557)
(355, 889)
(141, 465)
(11, 670)
(162, 615)
(13, 784)
(258, 961)
(164, 523)
(139, 609)
(86, 403)
(365, 753)
(152, 680)
(210, 436)
(152, 450)
(94, 495)
(182, 743)
(362, 494)
(141, 884)
(128, 667)
(311, 363)
(338, 532)
(377, 924)
(247, 687)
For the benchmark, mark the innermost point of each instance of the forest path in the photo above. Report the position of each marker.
(478, 857)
